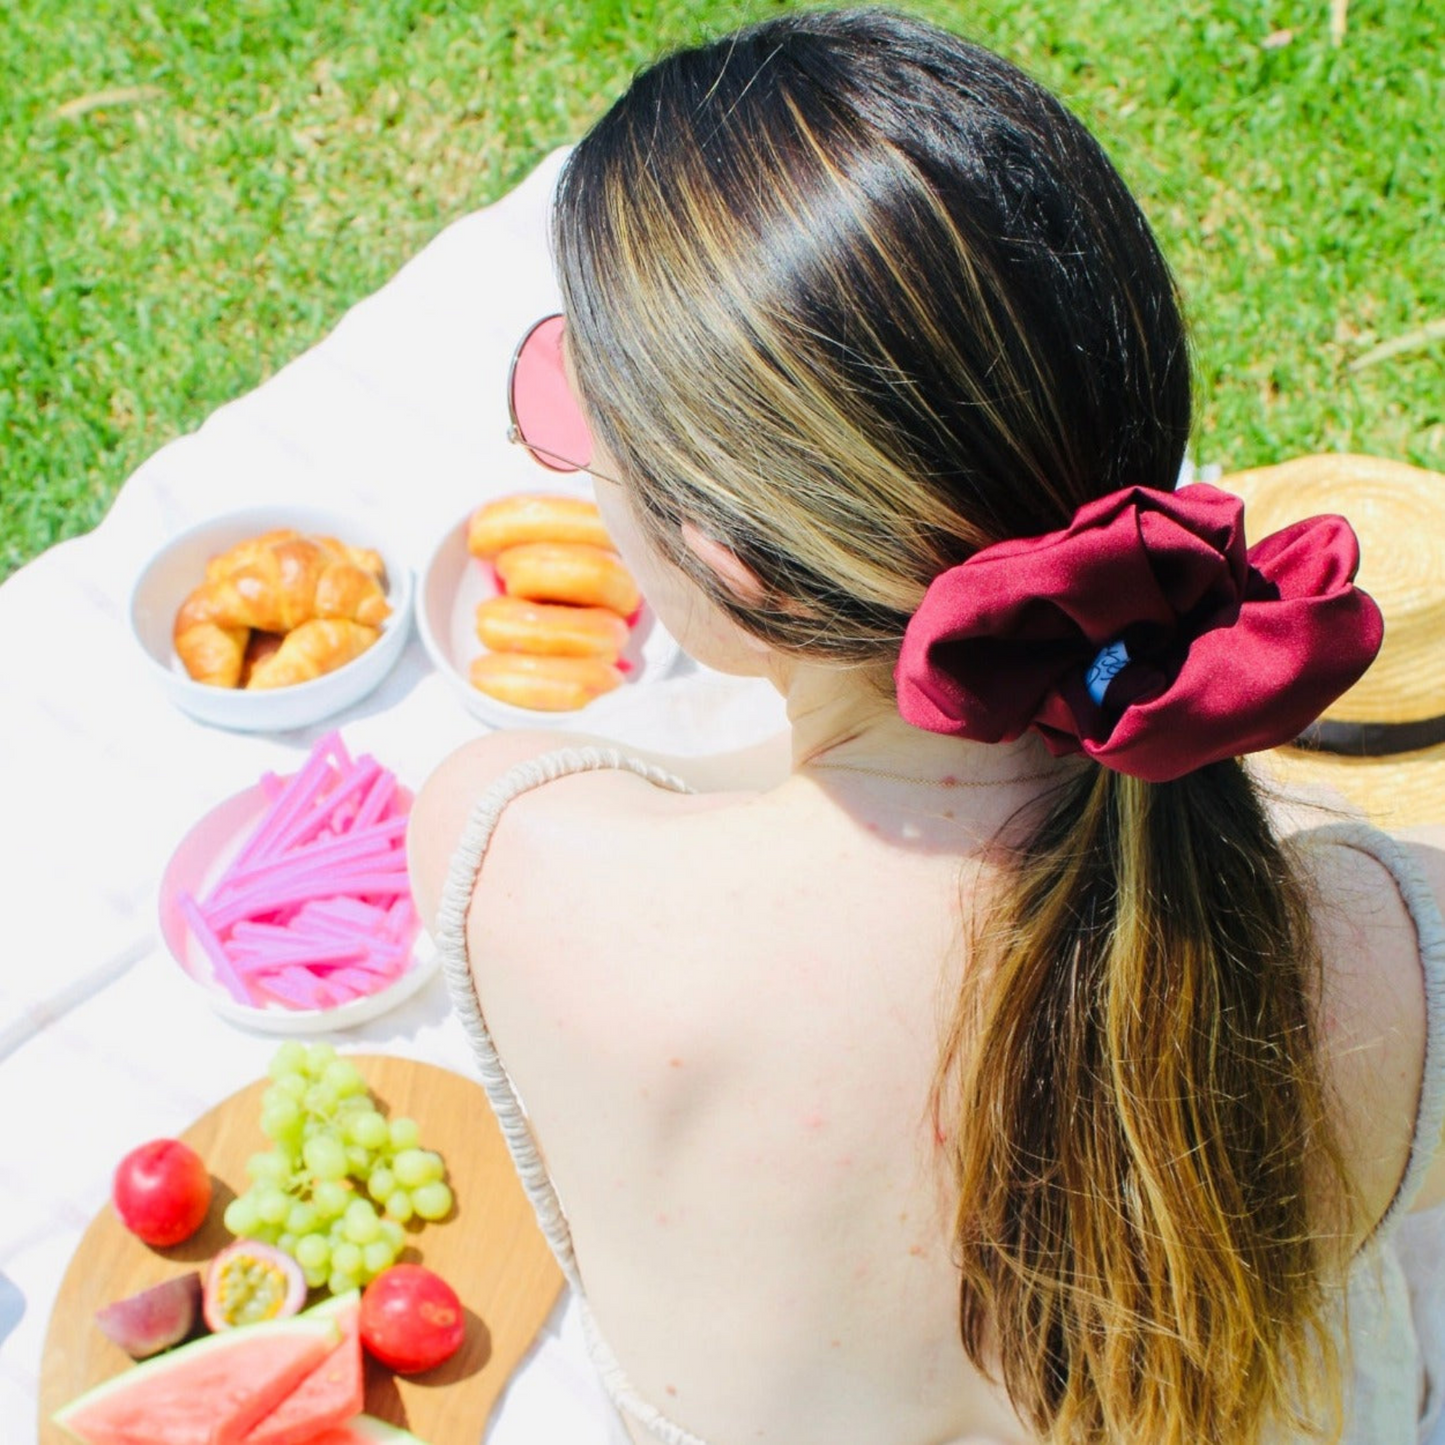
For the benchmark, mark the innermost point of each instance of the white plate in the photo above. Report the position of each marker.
(452, 585)
(179, 567)
(199, 859)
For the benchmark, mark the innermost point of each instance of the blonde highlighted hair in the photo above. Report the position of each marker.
(856, 298)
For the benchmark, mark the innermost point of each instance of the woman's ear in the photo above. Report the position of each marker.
(735, 575)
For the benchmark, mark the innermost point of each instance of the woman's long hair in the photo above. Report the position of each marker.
(857, 298)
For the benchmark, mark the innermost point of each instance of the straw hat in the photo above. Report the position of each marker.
(1380, 747)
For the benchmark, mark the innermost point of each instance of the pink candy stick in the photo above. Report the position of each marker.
(361, 918)
(316, 929)
(332, 876)
(393, 960)
(276, 956)
(391, 930)
(390, 927)
(298, 933)
(377, 842)
(325, 766)
(344, 914)
(333, 743)
(354, 981)
(373, 887)
(248, 932)
(403, 921)
(296, 989)
(378, 796)
(336, 938)
(359, 962)
(225, 974)
(385, 952)
(325, 812)
(317, 777)
(293, 889)
(328, 875)
(301, 791)
(389, 830)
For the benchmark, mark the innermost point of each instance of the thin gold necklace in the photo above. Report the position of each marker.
(948, 782)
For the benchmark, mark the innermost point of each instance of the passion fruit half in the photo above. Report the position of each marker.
(144, 1324)
(248, 1282)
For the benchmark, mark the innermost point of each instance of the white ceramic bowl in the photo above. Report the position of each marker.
(199, 859)
(454, 582)
(179, 567)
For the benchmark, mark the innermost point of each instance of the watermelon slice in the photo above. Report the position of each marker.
(209, 1392)
(366, 1430)
(332, 1393)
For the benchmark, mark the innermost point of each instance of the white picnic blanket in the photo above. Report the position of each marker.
(397, 417)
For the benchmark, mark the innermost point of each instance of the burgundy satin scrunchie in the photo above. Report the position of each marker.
(1196, 649)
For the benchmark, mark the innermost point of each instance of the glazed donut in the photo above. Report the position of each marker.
(534, 517)
(575, 572)
(544, 684)
(514, 624)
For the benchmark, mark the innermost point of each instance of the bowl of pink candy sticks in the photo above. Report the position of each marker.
(288, 904)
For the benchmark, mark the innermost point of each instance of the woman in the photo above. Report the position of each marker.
(978, 1064)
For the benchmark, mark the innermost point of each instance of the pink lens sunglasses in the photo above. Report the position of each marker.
(545, 416)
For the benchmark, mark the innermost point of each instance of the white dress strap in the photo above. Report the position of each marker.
(1424, 910)
(450, 934)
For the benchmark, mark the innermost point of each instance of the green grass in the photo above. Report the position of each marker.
(268, 162)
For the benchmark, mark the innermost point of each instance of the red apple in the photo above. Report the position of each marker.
(162, 1191)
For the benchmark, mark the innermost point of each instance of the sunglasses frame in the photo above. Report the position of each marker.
(540, 455)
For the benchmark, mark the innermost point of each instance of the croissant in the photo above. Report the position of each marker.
(311, 649)
(210, 653)
(366, 558)
(259, 646)
(244, 553)
(224, 563)
(278, 581)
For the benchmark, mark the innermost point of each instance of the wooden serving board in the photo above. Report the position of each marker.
(489, 1249)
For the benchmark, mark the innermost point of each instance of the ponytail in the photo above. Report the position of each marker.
(1141, 1120)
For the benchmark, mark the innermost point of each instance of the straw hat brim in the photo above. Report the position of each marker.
(1403, 790)
(1399, 514)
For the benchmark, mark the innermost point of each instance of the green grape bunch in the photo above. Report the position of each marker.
(340, 1181)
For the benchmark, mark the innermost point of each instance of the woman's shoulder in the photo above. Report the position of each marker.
(589, 829)
(1373, 1015)
(604, 906)
(562, 802)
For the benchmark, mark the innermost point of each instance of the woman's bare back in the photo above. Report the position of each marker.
(726, 1043)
